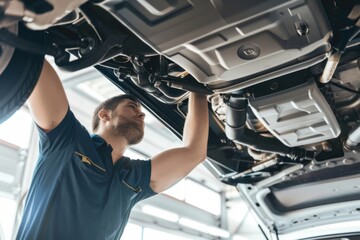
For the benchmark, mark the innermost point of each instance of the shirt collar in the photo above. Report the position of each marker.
(104, 150)
(99, 142)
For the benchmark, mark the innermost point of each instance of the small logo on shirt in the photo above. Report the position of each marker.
(87, 160)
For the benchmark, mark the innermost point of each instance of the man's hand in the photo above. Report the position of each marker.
(48, 103)
(169, 167)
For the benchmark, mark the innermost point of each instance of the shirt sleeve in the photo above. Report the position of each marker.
(139, 178)
(61, 136)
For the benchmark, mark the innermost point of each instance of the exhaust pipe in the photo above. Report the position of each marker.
(353, 139)
(339, 48)
(236, 130)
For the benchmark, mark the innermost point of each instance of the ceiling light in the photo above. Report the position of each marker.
(218, 232)
(237, 237)
(193, 224)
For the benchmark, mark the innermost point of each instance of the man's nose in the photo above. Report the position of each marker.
(142, 115)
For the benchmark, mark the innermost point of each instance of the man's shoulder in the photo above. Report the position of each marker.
(69, 131)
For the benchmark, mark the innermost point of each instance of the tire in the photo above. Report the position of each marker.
(18, 79)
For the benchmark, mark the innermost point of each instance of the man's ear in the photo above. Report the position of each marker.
(104, 115)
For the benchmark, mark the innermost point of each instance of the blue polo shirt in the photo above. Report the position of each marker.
(76, 191)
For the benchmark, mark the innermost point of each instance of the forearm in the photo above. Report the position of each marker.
(195, 135)
(172, 165)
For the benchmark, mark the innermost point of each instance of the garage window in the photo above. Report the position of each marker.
(132, 232)
(17, 129)
(196, 194)
(15, 136)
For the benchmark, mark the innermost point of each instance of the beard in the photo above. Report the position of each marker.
(131, 130)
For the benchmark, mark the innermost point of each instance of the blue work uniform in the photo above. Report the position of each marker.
(76, 191)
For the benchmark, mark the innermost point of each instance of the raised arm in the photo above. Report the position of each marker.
(172, 165)
(48, 103)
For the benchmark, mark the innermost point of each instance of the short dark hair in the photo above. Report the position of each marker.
(109, 104)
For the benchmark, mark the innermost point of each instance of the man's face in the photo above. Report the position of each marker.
(128, 120)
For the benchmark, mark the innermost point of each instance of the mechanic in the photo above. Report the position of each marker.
(83, 187)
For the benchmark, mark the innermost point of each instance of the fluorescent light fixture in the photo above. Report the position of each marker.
(218, 232)
(215, 231)
(237, 237)
(160, 213)
(193, 224)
